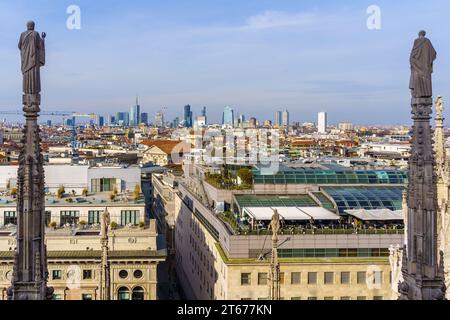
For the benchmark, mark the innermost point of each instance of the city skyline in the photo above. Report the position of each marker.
(242, 55)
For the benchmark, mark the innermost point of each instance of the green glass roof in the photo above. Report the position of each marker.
(326, 203)
(303, 200)
(366, 197)
(319, 176)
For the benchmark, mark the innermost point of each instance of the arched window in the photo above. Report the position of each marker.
(123, 294)
(138, 294)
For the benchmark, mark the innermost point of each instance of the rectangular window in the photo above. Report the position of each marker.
(312, 277)
(377, 298)
(328, 278)
(94, 217)
(378, 277)
(361, 277)
(56, 274)
(10, 217)
(361, 298)
(328, 298)
(345, 298)
(281, 277)
(245, 279)
(262, 279)
(87, 274)
(296, 277)
(345, 277)
(312, 298)
(86, 296)
(295, 298)
(48, 217)
(129, 217)
(103, 185)
(69, 217)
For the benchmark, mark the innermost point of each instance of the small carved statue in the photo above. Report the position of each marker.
(32, 51)
(422, 58)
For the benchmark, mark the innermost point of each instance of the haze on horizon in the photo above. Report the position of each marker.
(257, 56)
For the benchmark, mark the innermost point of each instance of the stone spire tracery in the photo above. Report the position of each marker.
(29, 281)
(422, 268)
(443, 189)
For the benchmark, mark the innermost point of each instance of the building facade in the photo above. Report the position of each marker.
(75, 260)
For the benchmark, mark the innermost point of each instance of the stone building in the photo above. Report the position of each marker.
(323, 259)
(159, 152)
(75, 258)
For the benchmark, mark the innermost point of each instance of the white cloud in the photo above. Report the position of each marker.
(276, 19)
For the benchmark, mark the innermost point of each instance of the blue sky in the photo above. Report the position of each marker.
(254, 55)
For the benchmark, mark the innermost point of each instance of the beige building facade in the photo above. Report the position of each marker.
(75, 263)
(214, 263)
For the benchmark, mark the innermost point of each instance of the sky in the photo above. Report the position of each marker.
(257, 56)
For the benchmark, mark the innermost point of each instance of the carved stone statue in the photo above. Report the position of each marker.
(422, 58)
(106, 220)
(439, 106)
(275, 223)
(32, 50)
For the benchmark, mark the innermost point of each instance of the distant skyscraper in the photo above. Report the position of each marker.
(176, 122)
(123, 118)
(159, 119)
(69, 122)
(278, 119)
(144, 118)
(49, 123)
(322, 122)
(285, 118)
(188, 116)
(101, 121)
(228, 116)
(135, 114)
(111, 120)
(252, 122)
(204, 114)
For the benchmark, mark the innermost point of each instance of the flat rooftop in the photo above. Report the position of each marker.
(102, 199)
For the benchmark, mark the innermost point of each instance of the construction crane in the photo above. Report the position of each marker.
(62, 114)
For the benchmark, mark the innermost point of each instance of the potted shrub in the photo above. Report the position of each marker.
(85, 192)
(60, 192)
(53, 225)
(83, 224)
(136, 193)
(113, 225)
(112, 197)
(142, 224)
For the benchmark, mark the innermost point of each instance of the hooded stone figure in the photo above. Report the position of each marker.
(422, 58)
(32, 51)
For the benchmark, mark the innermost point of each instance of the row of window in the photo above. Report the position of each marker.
(73, 217)
(312, 278)
(88, 274)
(333, 252)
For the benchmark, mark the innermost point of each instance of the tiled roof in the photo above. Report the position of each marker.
(165, 145)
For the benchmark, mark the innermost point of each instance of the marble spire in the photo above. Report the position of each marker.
(422, 262)
(29, 281)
